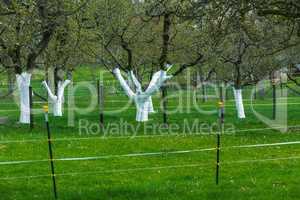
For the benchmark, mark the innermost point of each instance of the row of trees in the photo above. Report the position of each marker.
(238, 42)
(38, 34)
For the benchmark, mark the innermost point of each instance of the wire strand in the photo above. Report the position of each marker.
(146, 154)
(152, 168)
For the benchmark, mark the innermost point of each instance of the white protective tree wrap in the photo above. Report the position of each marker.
(138, 88)
(150, 106)
(238, 96)
(142, 107)
(143, 100)
(23, 83)
(58, 99)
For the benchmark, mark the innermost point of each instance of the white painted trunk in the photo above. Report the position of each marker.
(57, 108)
(239, 103)
(150, 105)
(58, 99)
(123, 83)
(143, 100)
(23, 82)
(142, 109)
(144, 106)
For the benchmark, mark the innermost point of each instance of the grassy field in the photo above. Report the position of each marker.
(177, 164)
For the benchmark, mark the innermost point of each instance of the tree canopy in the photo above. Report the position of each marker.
(239, 40)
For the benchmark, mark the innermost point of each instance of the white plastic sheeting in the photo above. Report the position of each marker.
(142, 99)
(23, 83)
(238, 96)
(58, 99)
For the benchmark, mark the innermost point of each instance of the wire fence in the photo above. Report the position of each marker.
(147, 154)
(144, 154)
(143, 169)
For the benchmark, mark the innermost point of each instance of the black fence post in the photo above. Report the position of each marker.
(165, 104)
(46, 110)
(274, 98)
(221, 106)
(31, 107)
(204, 94)
(101, 103)
(255, 92)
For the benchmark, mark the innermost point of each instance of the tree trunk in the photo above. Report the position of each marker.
(51, 83)
(23, 82)
(200, 80)
(56, 80)
(150, 105)
(204, 93)
(58, 99)
(166, 40)
(142, 99)
(10, 81)
(237, 91)
(142, 108)
(261, 89)
(239, 103)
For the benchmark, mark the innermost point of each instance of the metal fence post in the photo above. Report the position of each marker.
(46, 110)
(31, 108)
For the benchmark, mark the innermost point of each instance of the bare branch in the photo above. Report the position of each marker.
(183, 67)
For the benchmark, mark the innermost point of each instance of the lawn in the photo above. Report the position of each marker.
(144, 163)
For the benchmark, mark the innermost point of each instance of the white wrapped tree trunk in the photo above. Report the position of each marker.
(238, 96)
(143, 100)
(150, 105)
(142, 108)
(57, 108)
(58, 99)
(23, 82)
(138, 87)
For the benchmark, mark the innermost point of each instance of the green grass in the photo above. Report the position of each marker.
(175, 176)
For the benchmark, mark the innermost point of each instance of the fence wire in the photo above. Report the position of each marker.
(147, 154)
(130, 170)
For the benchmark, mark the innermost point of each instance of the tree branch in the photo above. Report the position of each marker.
(166, 40)
(183, 67)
